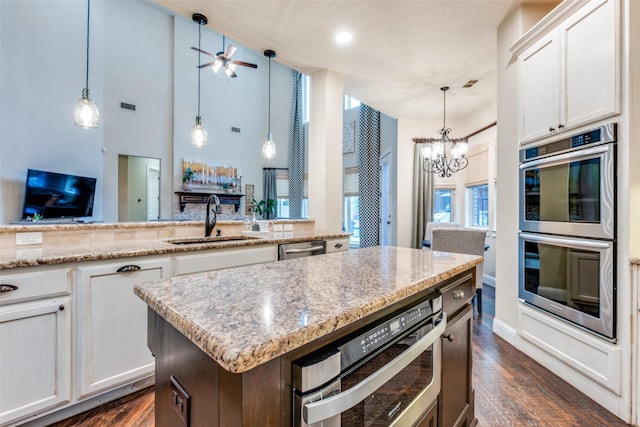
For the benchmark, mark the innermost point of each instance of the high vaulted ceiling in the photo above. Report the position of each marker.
(401, 54)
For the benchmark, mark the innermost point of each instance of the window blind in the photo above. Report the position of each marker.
(351, 181)
(477, 172)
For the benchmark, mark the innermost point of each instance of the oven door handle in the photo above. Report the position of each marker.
(574, 243)
(319, 410)
(589, 152)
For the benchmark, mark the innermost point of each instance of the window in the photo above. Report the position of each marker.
(351, 218)
(350, 102)
(479, 205)
(442, 204)
(282, 190)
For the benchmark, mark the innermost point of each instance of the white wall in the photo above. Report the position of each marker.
(139, 54)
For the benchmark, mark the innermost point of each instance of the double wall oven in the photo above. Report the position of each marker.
(387, 374)
(567, 239)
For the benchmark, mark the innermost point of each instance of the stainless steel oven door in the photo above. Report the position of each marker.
(570, 278)
(571, 194)
(394, 388)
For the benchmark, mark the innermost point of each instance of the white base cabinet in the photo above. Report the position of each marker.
(112, 323)
(217, 259)
(35, 357)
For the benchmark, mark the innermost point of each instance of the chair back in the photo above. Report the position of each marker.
(462, 241)
(428, 231)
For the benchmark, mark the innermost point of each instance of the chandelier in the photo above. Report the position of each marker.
(444, 156)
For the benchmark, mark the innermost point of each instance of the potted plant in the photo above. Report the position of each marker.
(267, 209)
(187, 176)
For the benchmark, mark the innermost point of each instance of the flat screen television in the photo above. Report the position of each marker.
(56, 195)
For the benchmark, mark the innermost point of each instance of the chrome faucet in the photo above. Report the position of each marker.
(210, 221)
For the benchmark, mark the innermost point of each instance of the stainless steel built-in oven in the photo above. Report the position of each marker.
(387, 374)
(568, 186)
(570, 277)
(567, 240)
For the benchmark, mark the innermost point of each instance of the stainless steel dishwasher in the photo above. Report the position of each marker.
(302, 249)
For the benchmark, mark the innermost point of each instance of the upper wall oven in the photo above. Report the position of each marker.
(568, 187)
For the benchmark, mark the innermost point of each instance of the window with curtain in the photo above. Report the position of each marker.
(282, 190)
(351, 218)
(443, 204)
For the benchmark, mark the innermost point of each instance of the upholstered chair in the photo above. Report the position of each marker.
(463, 241)
(428, 231)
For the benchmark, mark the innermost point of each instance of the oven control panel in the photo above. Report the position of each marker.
(376, 337)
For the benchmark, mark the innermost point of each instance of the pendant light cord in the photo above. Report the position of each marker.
(199, 39)
(269, 98)
(86, 81)
(444, 114)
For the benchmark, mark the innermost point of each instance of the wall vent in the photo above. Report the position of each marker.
(129, 107)
(470, 83)
(235, 129)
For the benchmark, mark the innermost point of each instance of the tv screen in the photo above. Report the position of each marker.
(57, 195)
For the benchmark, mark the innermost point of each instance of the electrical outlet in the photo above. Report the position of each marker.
(277, 227)
(32, 238)
(288, 227)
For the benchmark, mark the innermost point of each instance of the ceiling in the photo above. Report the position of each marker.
(402, 51)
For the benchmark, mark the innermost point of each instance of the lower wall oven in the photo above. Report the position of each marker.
(386, 374)
(573, 278)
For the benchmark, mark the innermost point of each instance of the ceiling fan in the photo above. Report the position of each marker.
(223, 60)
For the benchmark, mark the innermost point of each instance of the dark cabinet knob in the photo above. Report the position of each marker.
(61, 308)
(449, 337)
(560, 126)
(551, 129)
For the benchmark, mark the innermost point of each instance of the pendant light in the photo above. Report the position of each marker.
(444, 156)
(198, 132)
(269, 148)
(85, 113)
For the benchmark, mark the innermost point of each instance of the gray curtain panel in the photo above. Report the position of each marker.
(296, 149)
(269, 190)
(369, 166)
(422, 197)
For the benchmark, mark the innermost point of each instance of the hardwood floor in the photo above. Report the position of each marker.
(511, 390)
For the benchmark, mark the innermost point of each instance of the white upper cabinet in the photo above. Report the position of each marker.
(570, 76)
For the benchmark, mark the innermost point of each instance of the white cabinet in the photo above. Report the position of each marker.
(570, 76)
(337, 245)
(112, 322)
(35, 341)
(218, 259)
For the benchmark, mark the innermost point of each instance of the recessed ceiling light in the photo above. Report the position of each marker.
(344, 37)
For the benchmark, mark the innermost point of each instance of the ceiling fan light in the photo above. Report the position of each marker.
(85, 112)
(269, 149)
(199, 134)
(217, 64)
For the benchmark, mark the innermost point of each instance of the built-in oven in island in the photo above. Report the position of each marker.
(387, 374)
(567, 239)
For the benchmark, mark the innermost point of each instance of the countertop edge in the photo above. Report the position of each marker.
(242, 361)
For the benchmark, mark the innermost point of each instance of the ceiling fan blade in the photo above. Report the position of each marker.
(245, 64)
(231, 49)
(208, 64)
(203, 51)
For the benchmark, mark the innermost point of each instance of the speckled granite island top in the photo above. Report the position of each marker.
(246, 316)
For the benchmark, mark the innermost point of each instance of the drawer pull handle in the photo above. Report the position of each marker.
(338, 245)
(127, 268)
(8, 288)
(458, 294)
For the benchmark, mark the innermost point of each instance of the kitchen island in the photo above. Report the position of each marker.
(224, 341)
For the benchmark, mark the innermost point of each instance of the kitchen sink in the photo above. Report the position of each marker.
(212, 239)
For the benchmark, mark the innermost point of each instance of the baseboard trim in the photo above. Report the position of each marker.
(504, 331)
(489, 280)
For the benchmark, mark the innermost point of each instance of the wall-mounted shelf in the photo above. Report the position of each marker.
(200, 197)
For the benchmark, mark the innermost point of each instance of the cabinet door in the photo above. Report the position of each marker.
(456, 404)
(539, 89)
(35, 357)
(337, 245)
(590, 56)
(112, 323)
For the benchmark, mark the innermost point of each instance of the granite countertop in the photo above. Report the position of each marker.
(47, 254)
(244, 317)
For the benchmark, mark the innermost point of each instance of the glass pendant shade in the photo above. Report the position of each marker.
(199, 133)
(85, 112)
(269, 148)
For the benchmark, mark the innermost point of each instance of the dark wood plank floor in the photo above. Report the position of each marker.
(511, 390)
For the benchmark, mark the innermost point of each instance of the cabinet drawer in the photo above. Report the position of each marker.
(456, 294)
(337, 245)
(223, 258)
(29, 284)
